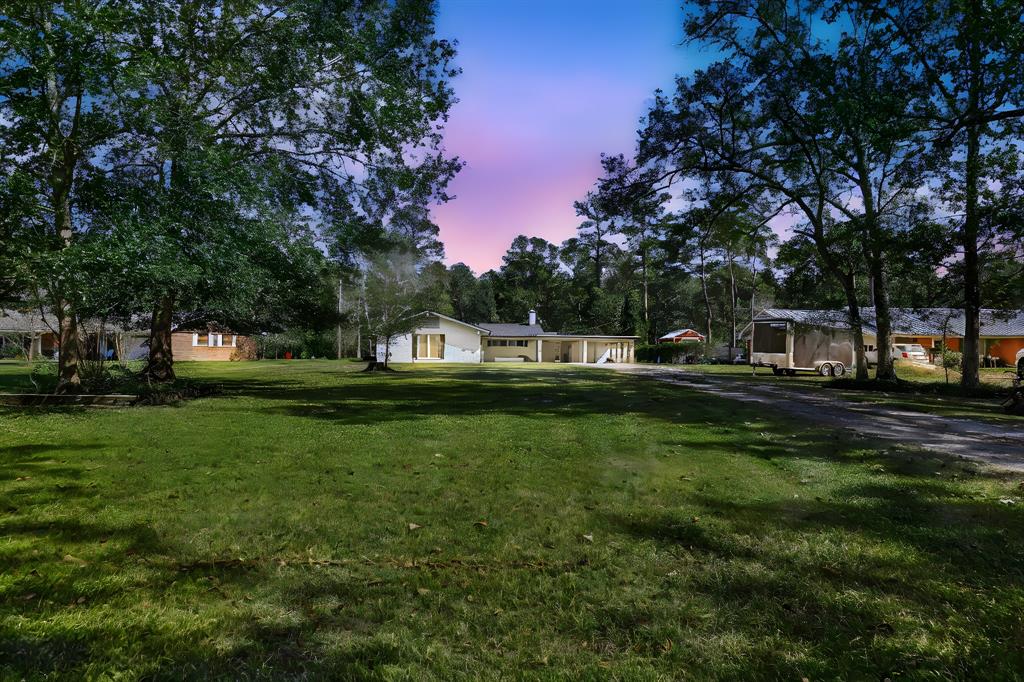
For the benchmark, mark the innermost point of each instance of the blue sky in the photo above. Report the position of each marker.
(546, 87)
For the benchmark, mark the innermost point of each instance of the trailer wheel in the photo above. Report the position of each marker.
(776, 371)
(825, 369)
(790, 372)
(839, 369)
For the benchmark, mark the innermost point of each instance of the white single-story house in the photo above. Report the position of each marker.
(440, 338)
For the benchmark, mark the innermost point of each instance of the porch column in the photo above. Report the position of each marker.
(583, 358)
(540, 350)
(629, 352)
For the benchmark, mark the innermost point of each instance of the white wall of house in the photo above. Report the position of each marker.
(461, 343)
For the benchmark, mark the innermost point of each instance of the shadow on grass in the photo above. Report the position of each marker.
(848, 584)
(857, 577)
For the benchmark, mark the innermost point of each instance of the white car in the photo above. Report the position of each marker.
(1020, 361)
(914, 352)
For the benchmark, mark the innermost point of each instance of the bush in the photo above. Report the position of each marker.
(11, 351)
(666, 352)
(951, 359)
(301, 344)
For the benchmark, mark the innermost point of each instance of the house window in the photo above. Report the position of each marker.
(200, 339)
(869, 347)
(428, 346)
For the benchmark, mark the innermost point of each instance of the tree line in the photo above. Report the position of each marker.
(272, 168)
(881, 138)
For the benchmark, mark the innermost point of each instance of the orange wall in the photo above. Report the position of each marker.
(925, 341)
(182, 349)
(1005, 349)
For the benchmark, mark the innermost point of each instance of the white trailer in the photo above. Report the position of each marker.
(788, 347)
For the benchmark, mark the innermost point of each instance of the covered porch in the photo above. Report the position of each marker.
(586, 350)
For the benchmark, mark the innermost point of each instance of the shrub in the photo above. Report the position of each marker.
(11, 351)
(666, 352)
(951, 359)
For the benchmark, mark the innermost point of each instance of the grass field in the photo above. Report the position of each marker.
(485, 522)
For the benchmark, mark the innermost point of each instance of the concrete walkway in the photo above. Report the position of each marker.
(995, 444)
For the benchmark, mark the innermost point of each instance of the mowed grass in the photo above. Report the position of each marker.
(490, 522)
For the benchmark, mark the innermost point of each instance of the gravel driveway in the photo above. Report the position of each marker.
(996, 444)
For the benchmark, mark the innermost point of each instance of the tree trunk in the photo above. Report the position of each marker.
(69, 355)
(753, 293)
(337, 338)
(643, 271)
(160, 367)
(874, 255)
(732, 308)
(856, 326)
(707, 304)
(969, 378)
(886, 369)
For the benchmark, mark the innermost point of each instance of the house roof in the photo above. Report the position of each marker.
(478, 327)
(504, 329)
(18, 322)
(908, 321)
(680, 332)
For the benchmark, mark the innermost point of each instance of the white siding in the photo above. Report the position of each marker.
(461, 343)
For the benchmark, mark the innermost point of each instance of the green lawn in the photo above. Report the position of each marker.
(485, 522)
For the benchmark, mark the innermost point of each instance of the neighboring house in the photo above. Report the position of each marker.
(1002, 331)
(439, 338)
(212, 343)
(682, 336)
(31, 331)
(36, 334)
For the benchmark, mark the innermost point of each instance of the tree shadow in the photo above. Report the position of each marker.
(850, 578)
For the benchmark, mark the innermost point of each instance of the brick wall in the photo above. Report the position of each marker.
(182, 348)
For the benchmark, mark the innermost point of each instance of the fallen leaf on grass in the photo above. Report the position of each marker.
(422, 591)
(75, 560)
(481, 523)
(22, 478)
(588, 538)
(1007, 500)
(414, 526)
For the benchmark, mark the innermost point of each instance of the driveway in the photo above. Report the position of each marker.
(995, 444)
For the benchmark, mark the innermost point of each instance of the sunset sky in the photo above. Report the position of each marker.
(546, 87)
